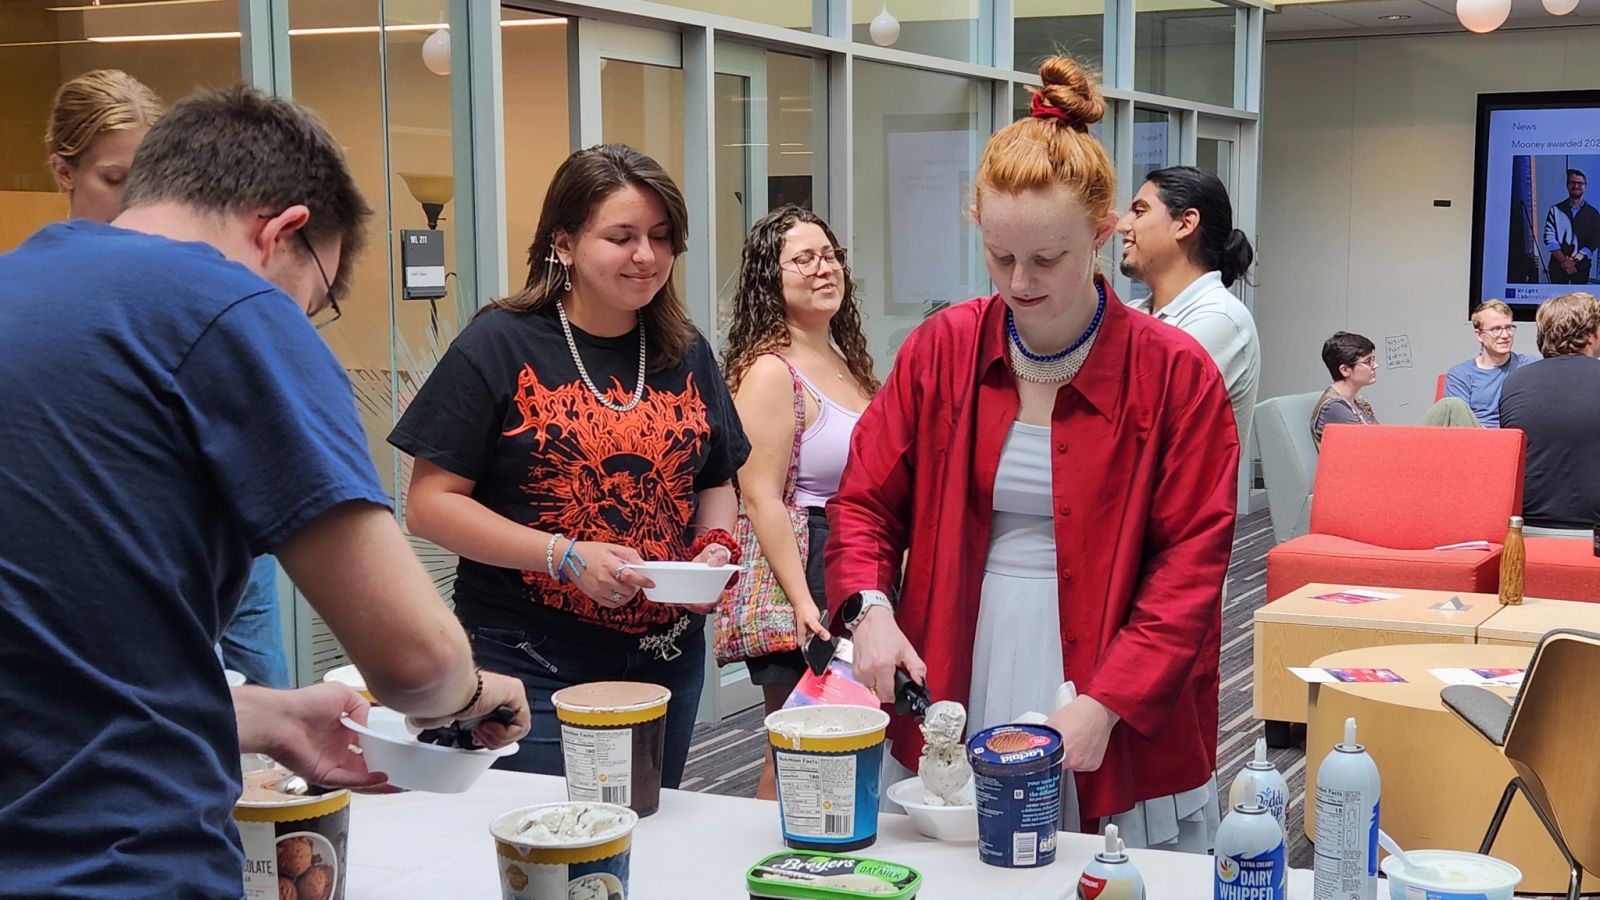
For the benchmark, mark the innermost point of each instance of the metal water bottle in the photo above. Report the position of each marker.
(1110, 876)
(1249, 856)
(1347, 822)
(1512, 557)
(1260, 780)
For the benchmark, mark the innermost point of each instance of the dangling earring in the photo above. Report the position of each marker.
(566, 273)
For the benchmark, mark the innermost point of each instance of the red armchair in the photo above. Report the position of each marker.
(1386, 495)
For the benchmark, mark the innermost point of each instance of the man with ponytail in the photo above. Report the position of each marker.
(1178, 238)
(1058, 474)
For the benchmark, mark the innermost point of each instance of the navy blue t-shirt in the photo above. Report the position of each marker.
(165, 414)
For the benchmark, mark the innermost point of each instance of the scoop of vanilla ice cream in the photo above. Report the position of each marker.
(943, 768)
(572, 822)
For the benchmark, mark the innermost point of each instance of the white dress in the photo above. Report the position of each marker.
(1016, 653)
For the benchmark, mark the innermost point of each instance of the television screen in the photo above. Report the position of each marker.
(1535, 230)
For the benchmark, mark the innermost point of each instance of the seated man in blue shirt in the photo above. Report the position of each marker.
(1478, 380)
(170, 414)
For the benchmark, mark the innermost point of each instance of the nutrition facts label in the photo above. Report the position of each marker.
(819, 794)
(599, 764)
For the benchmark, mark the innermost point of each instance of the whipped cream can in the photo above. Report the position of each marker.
(1249, 856)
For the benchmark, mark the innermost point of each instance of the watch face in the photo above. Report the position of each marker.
(851, 608)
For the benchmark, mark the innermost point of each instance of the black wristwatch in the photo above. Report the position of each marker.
(856, 606)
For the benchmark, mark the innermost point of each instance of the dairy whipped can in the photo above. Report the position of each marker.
(1111, 875)
(1346, 861)
(1261, 781)
(1249, 856)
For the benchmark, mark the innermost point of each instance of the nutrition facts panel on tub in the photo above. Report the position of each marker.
(599, 764)
(819, 794)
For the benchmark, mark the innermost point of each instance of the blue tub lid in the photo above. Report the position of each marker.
(1010, 745)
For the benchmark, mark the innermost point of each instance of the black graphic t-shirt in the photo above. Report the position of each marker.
(507, 409)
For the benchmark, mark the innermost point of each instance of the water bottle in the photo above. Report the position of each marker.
(1512, 556)
(1249, 856)
(1346, 865)
(1260, 780)
(1111, 876)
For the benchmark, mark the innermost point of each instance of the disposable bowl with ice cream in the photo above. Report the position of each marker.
(953, 823)
(1466, 876)
(684, 583)
(392, 749)
(573, 851)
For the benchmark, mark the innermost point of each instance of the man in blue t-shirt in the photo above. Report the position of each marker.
(1478, 380)
(170, 412)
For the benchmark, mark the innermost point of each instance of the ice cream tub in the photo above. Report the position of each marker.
(828, 761)
(565, 851)
(294, 845)
(613, 740)
(829, 876)
(1016, 770)
(1467, 876)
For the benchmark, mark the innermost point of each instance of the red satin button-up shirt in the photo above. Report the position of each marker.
(1143, 479)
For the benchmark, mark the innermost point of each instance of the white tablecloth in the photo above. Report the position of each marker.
(698, 846)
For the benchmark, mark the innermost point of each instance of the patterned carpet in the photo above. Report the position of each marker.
(725, 757)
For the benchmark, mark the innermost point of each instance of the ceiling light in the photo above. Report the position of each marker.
(1394, 18)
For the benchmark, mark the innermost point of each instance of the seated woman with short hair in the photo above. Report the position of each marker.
(1352, 362)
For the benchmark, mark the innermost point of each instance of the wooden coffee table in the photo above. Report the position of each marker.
(1527, 623)
(1296, 629)
(1441, 779)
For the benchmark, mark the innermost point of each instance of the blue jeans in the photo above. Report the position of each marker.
(580, 657)
(253, 642)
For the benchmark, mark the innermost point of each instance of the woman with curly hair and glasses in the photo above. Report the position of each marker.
(797, 362)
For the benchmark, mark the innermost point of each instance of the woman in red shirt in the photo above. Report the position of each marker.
(1058, 475)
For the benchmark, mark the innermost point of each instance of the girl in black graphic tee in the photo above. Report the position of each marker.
(576, 426)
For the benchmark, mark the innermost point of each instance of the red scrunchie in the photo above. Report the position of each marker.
(719, 536)
(1042, 110)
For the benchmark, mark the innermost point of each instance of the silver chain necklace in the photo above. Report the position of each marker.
(572, 345)
(1060, 370)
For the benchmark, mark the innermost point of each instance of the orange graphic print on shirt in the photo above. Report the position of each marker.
(600, 475)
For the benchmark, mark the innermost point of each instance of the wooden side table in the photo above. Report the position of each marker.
(1441, 780)
(1296, 629)
(1526, 624)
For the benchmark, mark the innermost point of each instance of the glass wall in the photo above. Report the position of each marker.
(916, 142)
(953, 29)
(1185, 48)
(1046, 27)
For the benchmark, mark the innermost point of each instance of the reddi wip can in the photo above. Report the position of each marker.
(1110, 875)
(1249, 856)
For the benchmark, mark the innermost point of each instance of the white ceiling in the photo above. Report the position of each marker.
(1360, 17)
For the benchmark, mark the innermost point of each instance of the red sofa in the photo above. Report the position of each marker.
(1386, 495)
(1561, 568)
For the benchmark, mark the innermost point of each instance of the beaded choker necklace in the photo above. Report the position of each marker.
(1056, 367)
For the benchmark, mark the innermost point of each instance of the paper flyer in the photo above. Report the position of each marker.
(1480, 677)
(1355, 595)
(1347, 676)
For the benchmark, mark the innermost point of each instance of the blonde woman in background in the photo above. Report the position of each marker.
(96, 124)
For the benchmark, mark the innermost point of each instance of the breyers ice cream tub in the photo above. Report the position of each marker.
(613, 738)
(1467, 876)
(564, 851)
(294, 845)
(1017, 772)
(828, 761)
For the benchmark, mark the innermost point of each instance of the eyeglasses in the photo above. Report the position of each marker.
(1370, 362)
(1498, 329)
(807, 262)
(319, 317)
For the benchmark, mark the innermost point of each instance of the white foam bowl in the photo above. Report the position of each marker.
(350, 677)
(391, 749)
(235, 678)
(956, 824)
(684, 583)
(1468, 876)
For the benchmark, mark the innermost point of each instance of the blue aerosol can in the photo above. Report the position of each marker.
(1347, 822)
(1111, 876)
(1261, 780)
(1249, 857)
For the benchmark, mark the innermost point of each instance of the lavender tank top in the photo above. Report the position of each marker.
(823, 449)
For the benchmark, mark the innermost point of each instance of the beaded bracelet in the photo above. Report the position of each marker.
(550, 556)
(475, 695)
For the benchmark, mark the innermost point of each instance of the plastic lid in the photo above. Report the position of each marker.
(806, 875)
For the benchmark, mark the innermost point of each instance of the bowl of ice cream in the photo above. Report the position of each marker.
(684, 583)
(392, 749)
(1462, 876)
(932, 817)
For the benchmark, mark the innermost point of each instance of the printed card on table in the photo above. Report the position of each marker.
(1355, 595)
(1488, 677)
(1347, 676)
